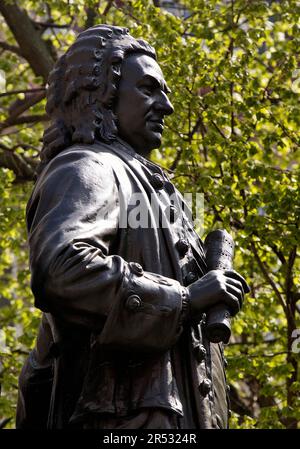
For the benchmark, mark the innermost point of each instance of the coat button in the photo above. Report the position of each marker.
(200, 353)
(182, 247)
(133, 302)
(157, 181)
(136, 268)
(190, 278)
(205, 387)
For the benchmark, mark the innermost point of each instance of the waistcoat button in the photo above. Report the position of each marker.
(182, 247)
(205, 387)
(157, 181)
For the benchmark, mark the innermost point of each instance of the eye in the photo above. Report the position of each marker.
(146, 89)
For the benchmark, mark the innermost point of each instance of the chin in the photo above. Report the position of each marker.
(155, 141)
(148, 143)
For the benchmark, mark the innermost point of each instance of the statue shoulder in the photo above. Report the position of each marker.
(100, 153)
(86, 166)
(81, 158)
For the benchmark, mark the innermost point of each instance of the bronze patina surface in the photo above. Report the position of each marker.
(121, 343)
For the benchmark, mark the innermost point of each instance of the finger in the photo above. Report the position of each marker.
(79, 256)
(234, 282)
(237, 292)
(235, 275)
(238, 285)
(232, 302)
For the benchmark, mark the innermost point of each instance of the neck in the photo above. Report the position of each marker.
(142, 152)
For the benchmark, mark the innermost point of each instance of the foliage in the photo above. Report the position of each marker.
(18, 319)
(234, 70)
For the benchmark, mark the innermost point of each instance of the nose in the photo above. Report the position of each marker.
(163, 104)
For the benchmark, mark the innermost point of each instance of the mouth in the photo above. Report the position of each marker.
(157, 125)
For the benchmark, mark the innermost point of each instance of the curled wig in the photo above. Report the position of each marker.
(83, 87)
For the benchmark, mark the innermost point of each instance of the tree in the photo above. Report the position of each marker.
(234, 69)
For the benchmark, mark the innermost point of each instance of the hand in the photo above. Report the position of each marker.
(216, 287)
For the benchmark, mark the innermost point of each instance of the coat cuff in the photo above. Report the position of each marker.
(148, 315)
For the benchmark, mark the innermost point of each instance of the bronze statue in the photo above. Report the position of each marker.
(121, 341)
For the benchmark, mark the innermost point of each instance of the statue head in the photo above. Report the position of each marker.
(100, 88)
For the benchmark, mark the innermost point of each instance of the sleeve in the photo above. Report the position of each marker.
(72, 220)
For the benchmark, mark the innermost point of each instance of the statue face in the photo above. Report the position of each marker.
(142, 103)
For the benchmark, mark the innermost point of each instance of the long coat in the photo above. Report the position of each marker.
(114, 337)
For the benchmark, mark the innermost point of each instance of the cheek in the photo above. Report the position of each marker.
(140, 105)
(137, 116)
(132, 111)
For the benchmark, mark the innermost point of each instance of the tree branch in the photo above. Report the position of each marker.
(268, 278)
(22, 91)
(32, 46)
(25, 119)
(52, 24)
(21, 106)
(107, 8)
(219, 130)
(289, 274)
(176, 160)
(91, 15)
(23, 170)
(11, 48)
